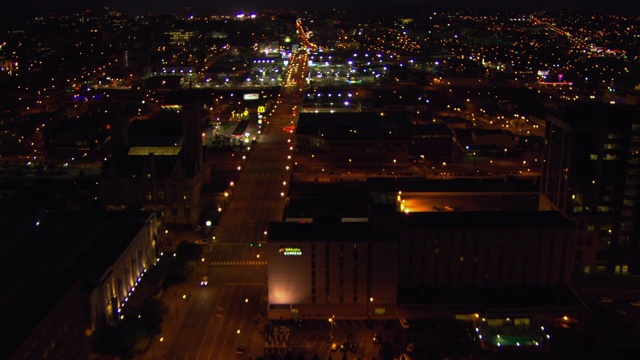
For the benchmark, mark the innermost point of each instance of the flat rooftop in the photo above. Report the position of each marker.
(475, 201)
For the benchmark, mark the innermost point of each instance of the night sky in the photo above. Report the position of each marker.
(202, 7)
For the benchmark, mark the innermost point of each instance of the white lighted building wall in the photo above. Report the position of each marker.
(323, 278)
(120, 280)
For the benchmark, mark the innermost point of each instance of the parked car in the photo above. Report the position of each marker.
(345, 346)
(240, 350)
(619, 312)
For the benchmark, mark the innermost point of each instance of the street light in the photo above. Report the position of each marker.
(369, 301)
(331, 321)
(198, 266)
(474, 160)
(154, 348)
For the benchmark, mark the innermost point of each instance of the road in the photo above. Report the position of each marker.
(216, 319)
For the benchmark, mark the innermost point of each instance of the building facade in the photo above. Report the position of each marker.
(158, 172)
(490, 249)
(356, 270)
(590, 174)
(89, 263)
(115, 282)
(323, 270)
(59, 334)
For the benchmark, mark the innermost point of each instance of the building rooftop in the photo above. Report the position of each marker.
(338, 199)
(141, 166)
(469, 201)
(597, 114)
(354, 124)
(524, 219)
(326, 206)
(421, 184)
(326, 230)
(163, 130)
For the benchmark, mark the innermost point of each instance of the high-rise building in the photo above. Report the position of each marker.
(590, 174)
(320, 269)
(421, 253)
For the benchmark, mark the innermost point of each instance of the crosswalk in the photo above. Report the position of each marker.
(239, 263)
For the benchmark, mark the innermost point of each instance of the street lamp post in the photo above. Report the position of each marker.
(332, 319)
(474, 161)
(202, 260)
(153, 347)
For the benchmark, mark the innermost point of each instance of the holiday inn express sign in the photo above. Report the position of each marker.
(290, 251)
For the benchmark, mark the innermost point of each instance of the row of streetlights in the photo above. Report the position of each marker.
(332, 319)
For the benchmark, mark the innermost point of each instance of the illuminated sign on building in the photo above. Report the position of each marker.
(171, 107)
(290, 251)
(251, 96)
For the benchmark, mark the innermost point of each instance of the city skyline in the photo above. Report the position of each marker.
(297, 183)
(202, 7)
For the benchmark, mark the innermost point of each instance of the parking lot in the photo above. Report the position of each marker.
(423, 340)
(353, 339)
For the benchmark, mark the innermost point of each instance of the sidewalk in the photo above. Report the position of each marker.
(172, 298)
(256, 349)
(151, 287)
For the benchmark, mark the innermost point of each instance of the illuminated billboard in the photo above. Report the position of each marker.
(251, 96)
